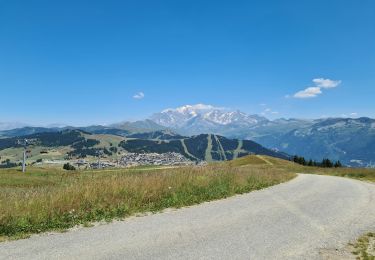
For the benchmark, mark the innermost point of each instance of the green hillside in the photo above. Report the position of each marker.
(77, 144)
(202, 147)
(61, 145)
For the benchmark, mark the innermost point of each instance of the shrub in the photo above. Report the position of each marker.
(69, 167)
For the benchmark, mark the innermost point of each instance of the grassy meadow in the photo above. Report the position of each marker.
(363, 174)
(354, 173)
(51, 199)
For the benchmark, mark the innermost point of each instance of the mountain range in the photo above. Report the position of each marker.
(79, 144)
(350, 140)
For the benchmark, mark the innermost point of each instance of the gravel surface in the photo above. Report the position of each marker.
(299, 219)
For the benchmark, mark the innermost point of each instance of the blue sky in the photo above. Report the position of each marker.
(82, 62)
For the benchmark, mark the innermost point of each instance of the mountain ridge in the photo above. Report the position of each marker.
(311, 138)
(79, 144)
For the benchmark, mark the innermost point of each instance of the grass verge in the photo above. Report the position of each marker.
(364, 247)
(354, 173)
(363, 174)
(47, 199)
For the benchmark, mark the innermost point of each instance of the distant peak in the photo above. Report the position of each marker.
(192, 108)
(201, 116)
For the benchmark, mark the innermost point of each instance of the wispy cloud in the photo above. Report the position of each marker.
(139, 95)
(320, 83)
(308, 93)
(269, 111)
(326, 83)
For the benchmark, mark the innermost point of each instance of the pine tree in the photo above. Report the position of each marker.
(295, 159)
(310, 163)
(338, 164)
(324, 163)
(327, 163)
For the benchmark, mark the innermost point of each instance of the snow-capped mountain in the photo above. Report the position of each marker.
(201, 115)
(345, 139)
(350, 140)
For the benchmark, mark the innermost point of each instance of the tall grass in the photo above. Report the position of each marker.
(364, 174)
(354, 173)
(48, 200)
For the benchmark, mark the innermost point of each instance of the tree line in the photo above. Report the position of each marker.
(325, 163)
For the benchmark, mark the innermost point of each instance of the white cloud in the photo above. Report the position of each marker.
(320, 83)
(326, 83)
(354, 114)
(308, 93)
(139, 95)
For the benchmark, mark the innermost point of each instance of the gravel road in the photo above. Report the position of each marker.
(295, 220)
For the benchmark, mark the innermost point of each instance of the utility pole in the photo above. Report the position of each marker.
(99, 166)
(99, 154)
(24, 144)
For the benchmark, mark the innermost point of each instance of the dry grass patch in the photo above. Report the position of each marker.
(364, 174)
(354, 173)
(43, 200)
(247, 160)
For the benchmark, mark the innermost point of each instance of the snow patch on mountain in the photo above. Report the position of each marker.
(189, 109)
(207, 114)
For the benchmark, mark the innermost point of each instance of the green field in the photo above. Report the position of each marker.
(59, 153)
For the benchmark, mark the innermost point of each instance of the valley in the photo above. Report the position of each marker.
(84, 150)
(350, 140)
(116, 176)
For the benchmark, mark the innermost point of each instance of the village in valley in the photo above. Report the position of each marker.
(126, 160)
